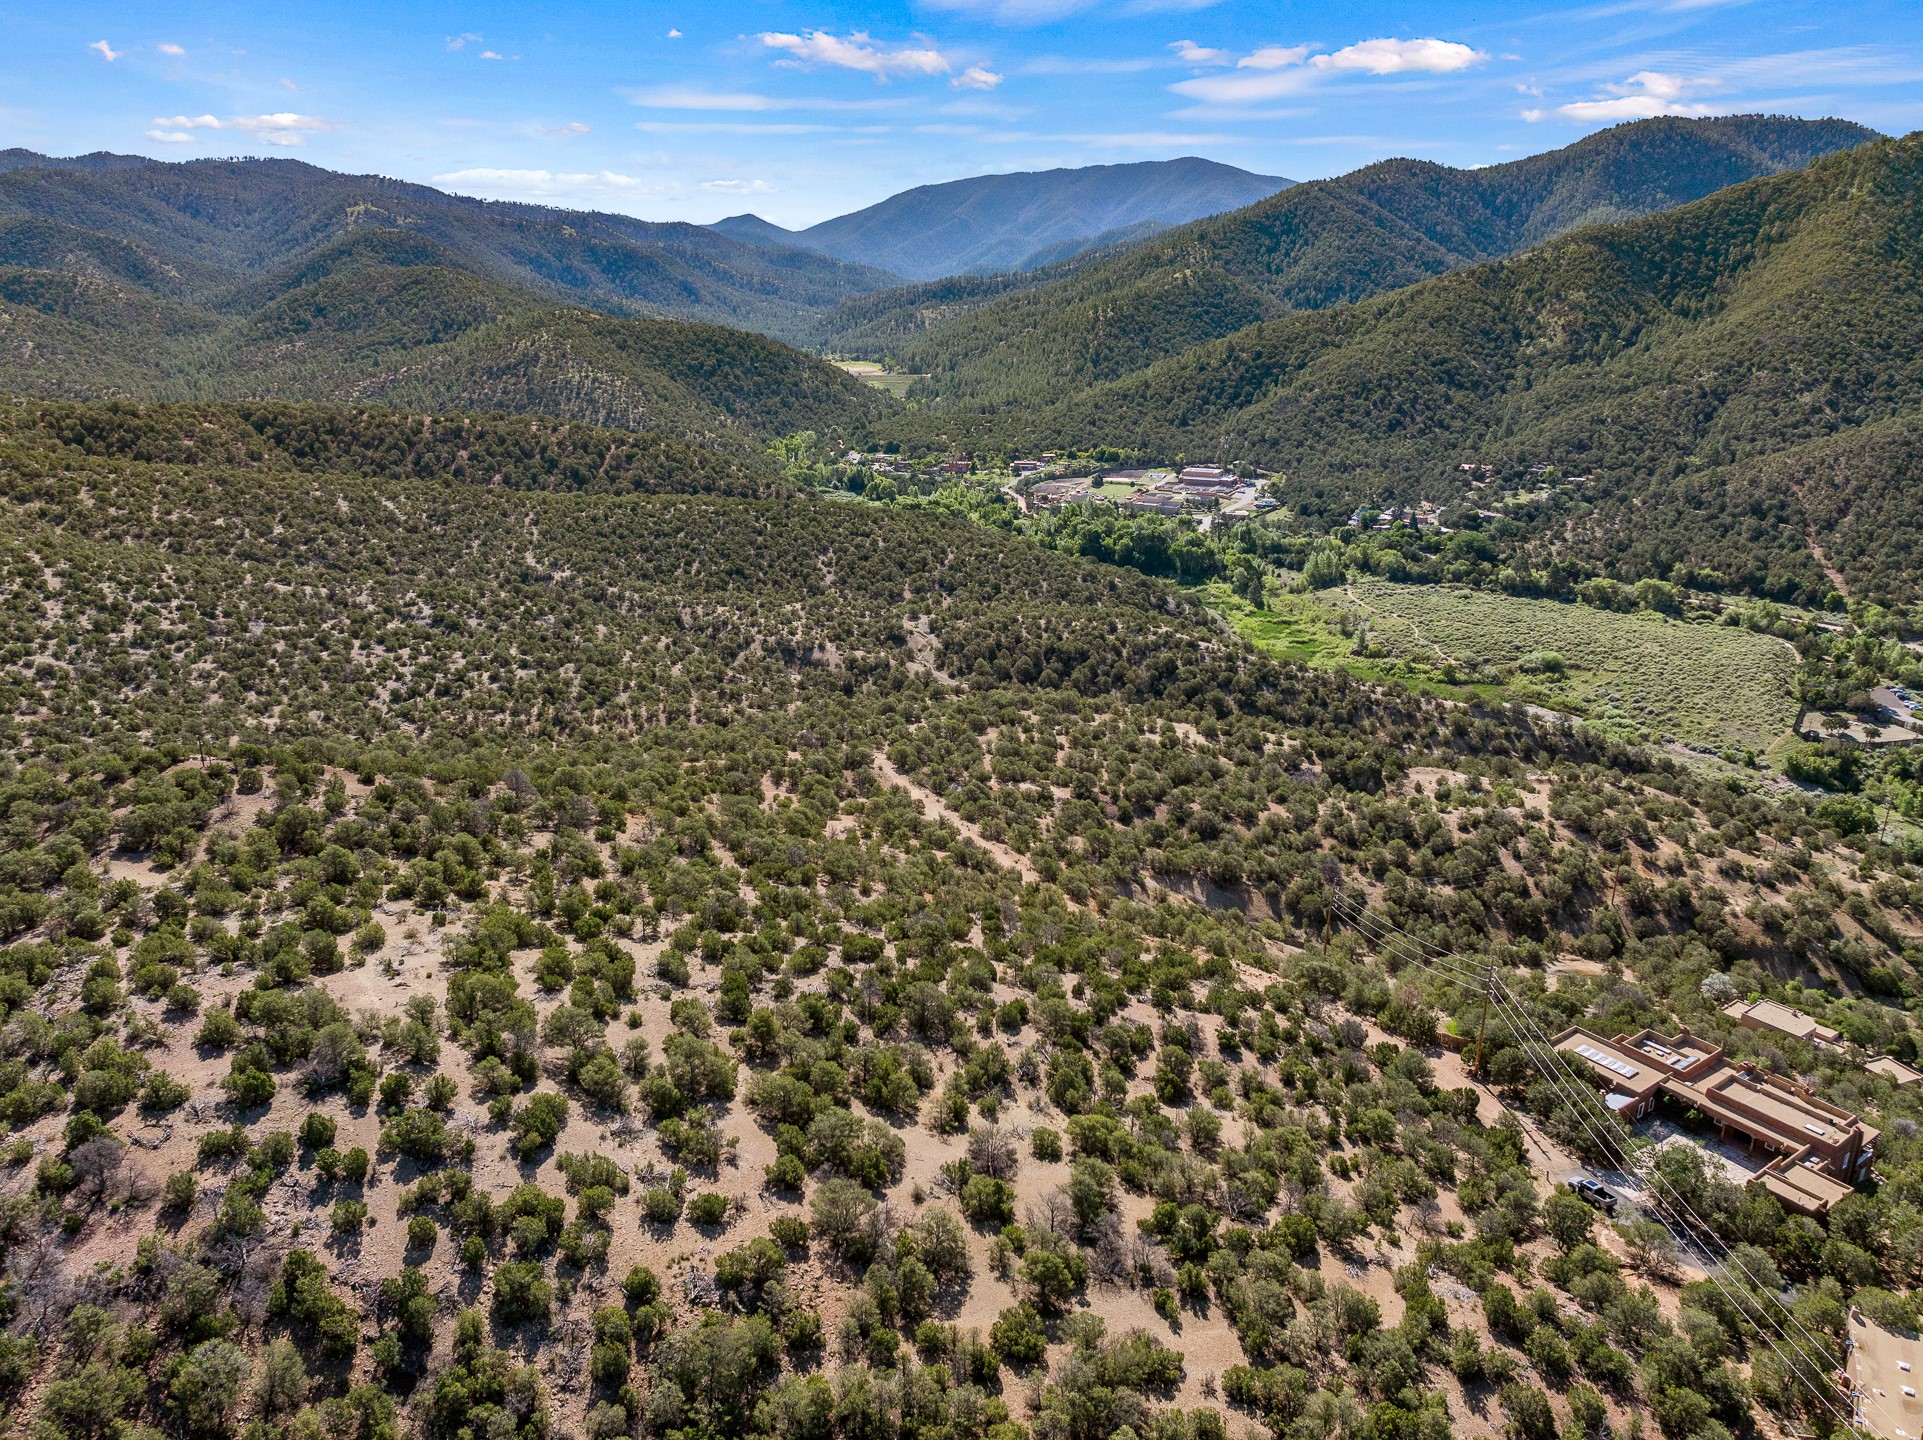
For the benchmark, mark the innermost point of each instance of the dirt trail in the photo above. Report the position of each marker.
(1830, 572)
(934, 808)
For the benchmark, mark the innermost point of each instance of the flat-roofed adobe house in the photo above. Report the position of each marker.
(1883, 1370)
(1892, 1069)
(1821, 1150)
(1773, 1015)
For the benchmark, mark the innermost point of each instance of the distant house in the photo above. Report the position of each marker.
(1769, 1015)
(956, 467)
(1195, 473)
(1025, 467)
(1821, 1150)
(1153, 502)
(1890, 1068)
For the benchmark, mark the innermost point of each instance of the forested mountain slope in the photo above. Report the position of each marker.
(490, 949)
(384, 315)
(1328, 243)
(997, 222)
(1733, 377)
(197, 230)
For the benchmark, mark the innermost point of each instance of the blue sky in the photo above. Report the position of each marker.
(803, 109)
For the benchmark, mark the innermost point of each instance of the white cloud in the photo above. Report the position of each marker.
(738, 187)
(461, 42)
(1273, 57)
(1400, 57)
(170, 137)
(166, 48)
(573, 127)
(1274, 71)
(285, 128)
(107, 52)
(492, 55)
(1643, 95)
(859, 51)
(976, 77)
(287, 84)
(674, 34)
(1189, 53)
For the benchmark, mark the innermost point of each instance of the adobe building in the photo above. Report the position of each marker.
(1893, 1070)
(1821, 1150)
(1773, 1015)
(1882, 1370)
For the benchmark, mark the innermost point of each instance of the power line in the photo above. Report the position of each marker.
(1560, 1079)
(1664, 1204)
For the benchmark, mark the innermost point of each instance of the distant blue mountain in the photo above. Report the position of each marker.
(1002, 222)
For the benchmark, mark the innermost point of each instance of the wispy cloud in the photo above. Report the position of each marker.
(107, 52)
(734, 127)
(1201, 56)
(284, 128)
(857, 51)
(1018, 12)
(1045, 12)
(1075, 65)
(461, 42)
(166, 48)
(573, 127)
(1120, 140)
(693, 97)
(690, 97)
(976, 77)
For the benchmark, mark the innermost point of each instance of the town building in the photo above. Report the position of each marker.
(1153, 502)
(1820, 1150)
(1051, 493)
(1024, 467)
(1772, 1015)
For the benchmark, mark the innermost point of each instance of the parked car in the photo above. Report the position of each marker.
(1595, 1192)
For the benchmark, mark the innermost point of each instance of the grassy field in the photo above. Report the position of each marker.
(869, 373)
(1641, 675)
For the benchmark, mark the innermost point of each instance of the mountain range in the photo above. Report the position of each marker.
(1230, 338)
(1019, 221)
(1738, 381)
(1313, 245)
(273, 279)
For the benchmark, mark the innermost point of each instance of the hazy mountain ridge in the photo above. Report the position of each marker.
(989, 223)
